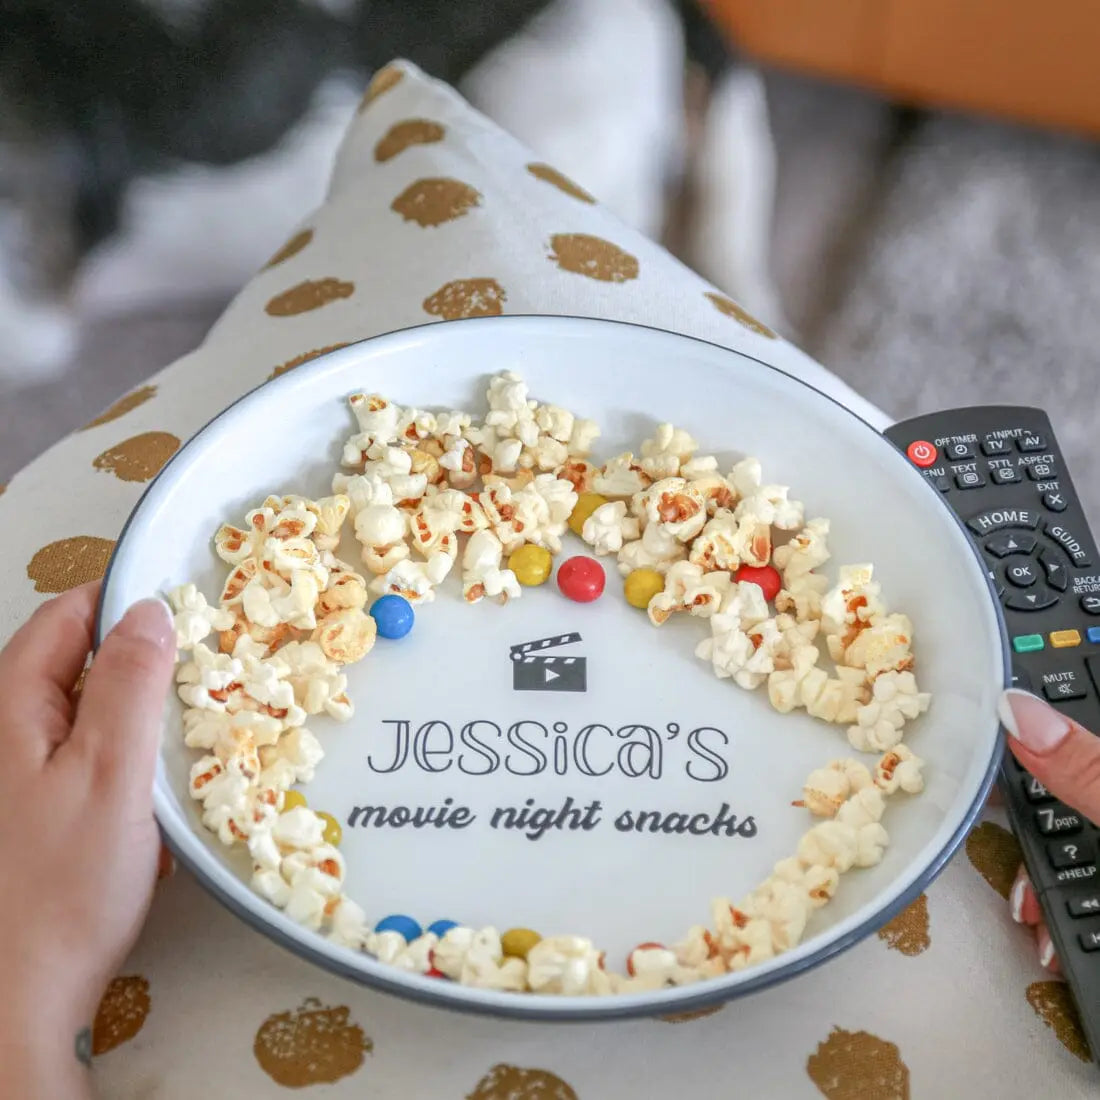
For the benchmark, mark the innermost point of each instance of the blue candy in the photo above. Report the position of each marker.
(393, 616)
(401, 924)
(442, 927)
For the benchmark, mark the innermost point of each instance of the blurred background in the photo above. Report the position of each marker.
(909, 190)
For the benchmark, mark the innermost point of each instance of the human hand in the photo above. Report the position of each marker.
(1065, 758)
(79, 847)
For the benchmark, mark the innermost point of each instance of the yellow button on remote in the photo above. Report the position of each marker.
(1063, 639)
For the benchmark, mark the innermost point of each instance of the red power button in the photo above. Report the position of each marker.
(922, 453)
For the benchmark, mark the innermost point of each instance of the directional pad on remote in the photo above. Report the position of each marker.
(1010, 542)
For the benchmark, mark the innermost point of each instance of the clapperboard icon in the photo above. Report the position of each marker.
(534, 671)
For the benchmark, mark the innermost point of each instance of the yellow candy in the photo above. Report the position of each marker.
(587, 503)
(516, 942)
(333, 834)
(641, 586)
(292, 800)
(531, 564)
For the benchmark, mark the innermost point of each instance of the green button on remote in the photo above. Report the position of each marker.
(1027, 643)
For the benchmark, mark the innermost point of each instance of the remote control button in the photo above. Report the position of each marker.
(1031, 601)
(1035, 792)
(1068, 853)
(993, 447)
(1090, 941)
(970, 480)
(1005, 475)
(1028, 643)
(938, 480)
(1054, 502)
(1042, 471)
(1093, 634)
(1064, 639)
(1009, 542)
(1022, 574)
(1090, 604)
(1076, 874)
(1063, 684)
(921, 453)
(956, 452)
(1058, 821)
(1087, 905)
(1030, 443)
(1054, 571)
(1069, 542)
(997, 519)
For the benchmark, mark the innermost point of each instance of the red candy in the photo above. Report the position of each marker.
(581, 579)
(766, 576)
(433, 973)
(641, 947)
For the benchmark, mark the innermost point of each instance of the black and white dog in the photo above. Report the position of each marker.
(124, 124)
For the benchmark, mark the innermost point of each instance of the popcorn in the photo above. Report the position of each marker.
(729, 647)
(674, 505)
(900, 769)
(416, 581)
(317, 682)
(894, 701)
(347, 636)
(727, 542)
(569, 965)
(381, 530)
(688, 588)
(608, 527)
(829, 844)
(828, 788)
(583, 436)
(476, 958)
(883, 646)
(375, 415)
(865, 807)
(194, 618)
(620, 478)
(459, 461)
(656, 549)
(580, 474)
(349, 926)
(482, 575)
(205, 680)
(207, 729)
(363, 490)
(292, 759)
(345, 590)
(666, 452)
(849, 606)
(299, 828)
(414, 425)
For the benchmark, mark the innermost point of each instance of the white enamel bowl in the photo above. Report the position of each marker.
(437, 716)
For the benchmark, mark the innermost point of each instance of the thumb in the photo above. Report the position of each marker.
(118, 721)
(1062, 755)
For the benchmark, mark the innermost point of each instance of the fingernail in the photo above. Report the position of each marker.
(1046, 949)
(149, 620)
(1035, 724)
(1016, 898)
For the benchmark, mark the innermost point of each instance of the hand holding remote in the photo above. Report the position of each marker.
(1065, 758)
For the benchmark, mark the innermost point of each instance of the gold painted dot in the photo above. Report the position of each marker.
(431, 202)
(140, 458)
(593, 257)
(504, 1082)
(1054, 1006)
(563, 183)
(122, 406)
(291, 248)
(731, 309)
(383, 80)
(687, 1017)
(305, 357)
(313, 1045)
(856, 1065)
(996, 855)
(67, 563)
(121, 1013)
(908, 931)
(402, 135)
(307, 295)
(467, 298)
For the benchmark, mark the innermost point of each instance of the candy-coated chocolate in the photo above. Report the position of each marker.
(531, 564)
(766, 576)
(292, 800)
(399, 923)
(393, 615)
(581, 579)
(516, 942)
(334, 833)
(441, 927)
(586, 504)
(641, 586)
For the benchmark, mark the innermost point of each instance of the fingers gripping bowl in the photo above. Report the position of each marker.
(608, 806)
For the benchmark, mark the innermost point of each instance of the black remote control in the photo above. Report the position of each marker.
(999, 468)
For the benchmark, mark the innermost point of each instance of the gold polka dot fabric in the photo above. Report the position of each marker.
(434, 215)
